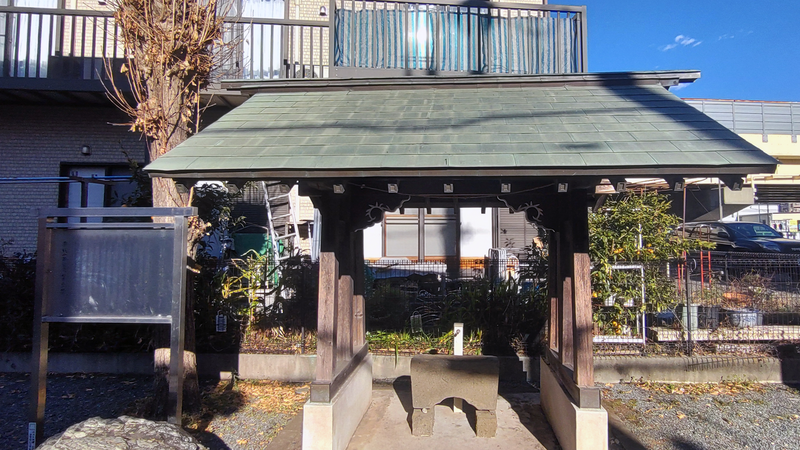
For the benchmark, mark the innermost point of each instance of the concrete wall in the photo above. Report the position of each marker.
(129, 363)
(708, 369)
(300, 368)
(295, 368)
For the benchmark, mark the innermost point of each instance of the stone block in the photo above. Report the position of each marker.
(330, 425)
(422, 421)
(123, 432)
(438, 377)
(485, 423)
(576, 428)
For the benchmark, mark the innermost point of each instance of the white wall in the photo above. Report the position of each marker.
(373, 241)
(476, 232)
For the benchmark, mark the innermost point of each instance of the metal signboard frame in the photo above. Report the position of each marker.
(84, 274)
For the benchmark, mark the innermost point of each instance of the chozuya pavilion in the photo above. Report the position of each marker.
(534, 143)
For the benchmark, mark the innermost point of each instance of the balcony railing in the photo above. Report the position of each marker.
(456, 36)
(359, 38)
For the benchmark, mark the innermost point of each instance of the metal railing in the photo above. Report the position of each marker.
(275, 48)
(359, 38)
(454, 36)
(57, 43)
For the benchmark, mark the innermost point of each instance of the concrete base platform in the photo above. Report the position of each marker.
(386, 425)
(330, 425)
(576, 428)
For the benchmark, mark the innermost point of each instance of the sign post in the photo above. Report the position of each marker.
(458, 350)
(121, 267)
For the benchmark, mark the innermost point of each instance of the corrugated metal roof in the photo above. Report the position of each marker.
(480, 131)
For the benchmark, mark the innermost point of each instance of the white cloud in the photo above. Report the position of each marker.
(681, 40)
(725, 36)
(680, 86)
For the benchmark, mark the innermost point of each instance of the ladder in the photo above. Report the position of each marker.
(282, 219)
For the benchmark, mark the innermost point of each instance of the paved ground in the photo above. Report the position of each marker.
(520, 424)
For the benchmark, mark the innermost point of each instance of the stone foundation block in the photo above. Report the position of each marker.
(422, 421)
(486, 423)
(438, 377)
(576, 428)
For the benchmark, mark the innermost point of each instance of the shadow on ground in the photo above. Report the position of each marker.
(524, 400)
(522, 397)
(211, 440)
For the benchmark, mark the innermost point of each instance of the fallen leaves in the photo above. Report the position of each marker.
(699, 389)
(274, 396)
(227, 397)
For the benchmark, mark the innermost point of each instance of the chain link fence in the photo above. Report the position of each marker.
(738, 303)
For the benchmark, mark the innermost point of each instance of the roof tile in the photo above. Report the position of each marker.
(514, 128)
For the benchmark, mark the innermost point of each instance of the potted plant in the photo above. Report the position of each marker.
(743, 305)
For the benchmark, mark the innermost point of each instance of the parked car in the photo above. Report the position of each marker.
(744, 247)
(740, 236)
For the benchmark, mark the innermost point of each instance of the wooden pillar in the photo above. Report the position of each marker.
(583, 372)
(344, 302)
(328, 297)
(565, 346)
(327, 316)
(553, 280)
(344, 320)
(41, 337)
(359, 288)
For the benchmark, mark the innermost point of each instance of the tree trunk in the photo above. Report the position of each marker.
(169, 50)
(165, 194)
(191, 386)
(160, 409)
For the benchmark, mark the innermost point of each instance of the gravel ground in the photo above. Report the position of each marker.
(70, 399)
(75, 398)
(249, 415)
(245, 429)
(663, 417)
(725, 415)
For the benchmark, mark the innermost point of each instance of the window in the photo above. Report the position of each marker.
(438, 236)
(401, 234)
(96, 194)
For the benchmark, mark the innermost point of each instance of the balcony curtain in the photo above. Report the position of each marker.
(455, 41)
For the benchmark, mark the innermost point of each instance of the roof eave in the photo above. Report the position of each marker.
(666, 78)
(508, 172)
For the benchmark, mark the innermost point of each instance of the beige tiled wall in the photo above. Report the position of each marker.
(37, 140)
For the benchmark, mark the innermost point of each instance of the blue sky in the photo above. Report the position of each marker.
(748, 50)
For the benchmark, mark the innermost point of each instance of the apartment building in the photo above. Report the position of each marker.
(53, 57)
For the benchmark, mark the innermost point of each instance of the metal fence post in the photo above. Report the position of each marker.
(688, 317)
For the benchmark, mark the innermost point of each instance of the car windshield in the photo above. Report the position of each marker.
(753, 230)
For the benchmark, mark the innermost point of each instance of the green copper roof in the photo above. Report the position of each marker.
(509, 130)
